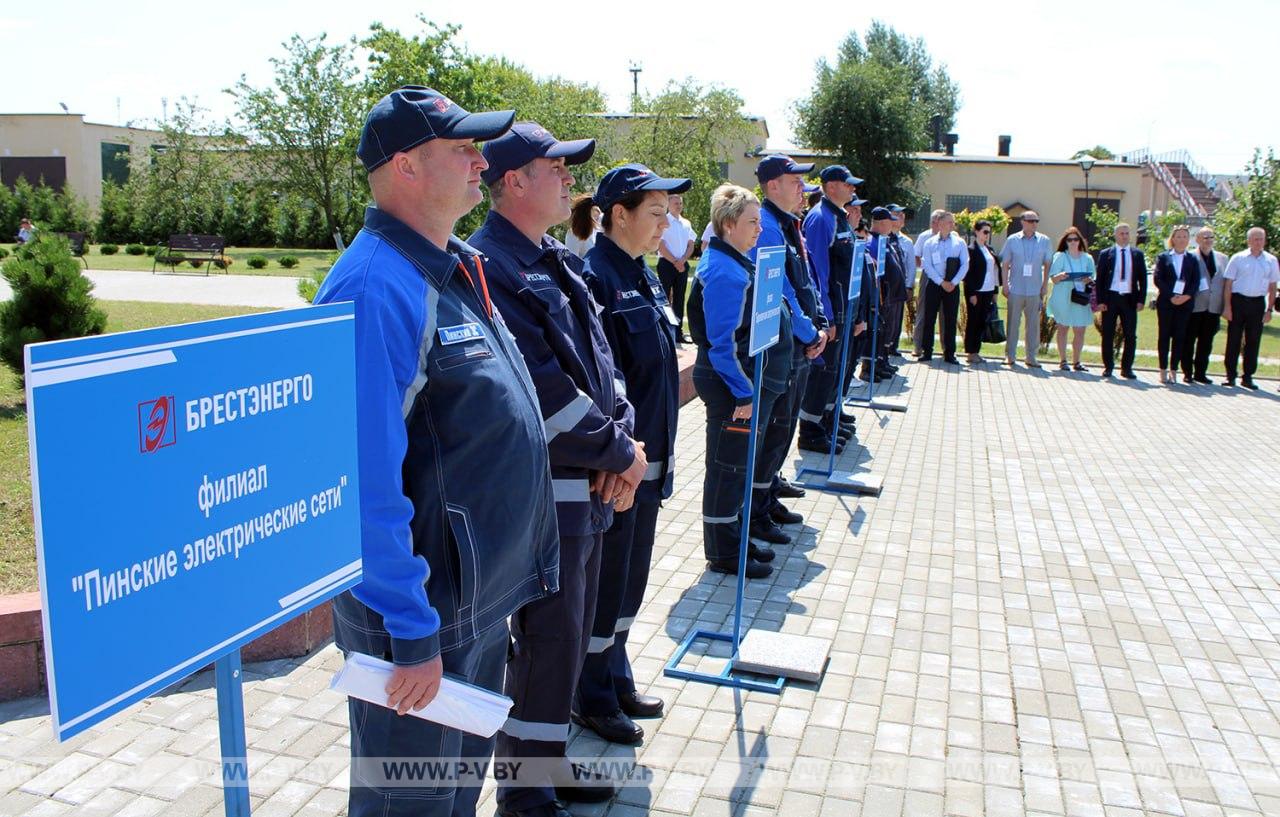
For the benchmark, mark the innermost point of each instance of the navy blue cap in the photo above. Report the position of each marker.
(775, 165)
(856, 202)
(882, 214)
(409, 116)
(622, 181)
(811, 188)
(838, 173)
(895, 208)
(527, 141)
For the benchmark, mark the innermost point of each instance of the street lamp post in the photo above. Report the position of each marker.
(1086, 164)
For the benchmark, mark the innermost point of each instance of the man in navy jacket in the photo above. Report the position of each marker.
(537, 284)
(441, 388)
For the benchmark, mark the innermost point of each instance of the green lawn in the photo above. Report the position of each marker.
(309, 261)
(17, 543)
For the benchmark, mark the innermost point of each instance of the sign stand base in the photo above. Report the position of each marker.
(801, 657)
(725, 677)
(235, 760)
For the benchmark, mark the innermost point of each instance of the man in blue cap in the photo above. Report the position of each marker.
(897, 312)
(829, 238)
(441, 387)
(781, 180)
(537, 285)
(893, 289)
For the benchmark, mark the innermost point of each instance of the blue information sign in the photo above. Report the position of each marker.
(767, 305)
(194, 487)
(855, 273)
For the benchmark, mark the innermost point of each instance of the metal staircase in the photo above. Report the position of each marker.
(1189, 183)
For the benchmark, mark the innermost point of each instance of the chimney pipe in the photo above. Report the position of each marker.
(950, 142)
(1005, 141)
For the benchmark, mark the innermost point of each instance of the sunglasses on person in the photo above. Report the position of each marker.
(984, 232)
(1031, 221)
(1072, 240)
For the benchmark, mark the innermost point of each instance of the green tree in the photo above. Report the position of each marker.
(51, 299)
(302, 130)
(928, 86)
(115, 214)
(1104, 221)
(860, 113)
(1097, 152)
(1256, 204)
(688, 130)
(178, 189)
(435, 59)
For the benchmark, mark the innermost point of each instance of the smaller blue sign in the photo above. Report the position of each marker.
(766, 306)
(880, 245)
(855, 273)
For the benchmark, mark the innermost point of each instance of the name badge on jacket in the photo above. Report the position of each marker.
(461, 333)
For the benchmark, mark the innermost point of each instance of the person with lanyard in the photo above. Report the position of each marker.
(1026, 256)
(917, 332)
(1120, 293)
(642, 331)
(1249, 297)
(674, 251)
(1206, 312)
(829, 238)
(1071, 270)
(782, 181)
(979, 289)
(1177, 277)
(945, 262)
(720, 313)
(440, 386)
(596, 464)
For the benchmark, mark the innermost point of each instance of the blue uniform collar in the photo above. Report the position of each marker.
(618, 257)
(833, 207)
(501, 231)
(720, 245)
(436, 264)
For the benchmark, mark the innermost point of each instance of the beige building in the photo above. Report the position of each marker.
(65, 150)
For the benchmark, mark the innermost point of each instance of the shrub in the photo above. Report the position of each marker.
(51, 299)
(4, 253)
(257, 262)
(223, 261)
(153, 250)
(196, 263)
(308, 286)
(172, 260)
(135, 249)
(108, 249)
(288, 261)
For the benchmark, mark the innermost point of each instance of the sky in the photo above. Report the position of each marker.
(1057, 77)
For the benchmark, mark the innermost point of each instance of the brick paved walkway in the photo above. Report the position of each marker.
(1064, 603)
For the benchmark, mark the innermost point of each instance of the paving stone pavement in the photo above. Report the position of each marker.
(1064, 603)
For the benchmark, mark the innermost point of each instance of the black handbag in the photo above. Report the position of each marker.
(994, 331)
(1081, 296)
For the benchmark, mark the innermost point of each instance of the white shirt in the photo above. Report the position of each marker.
(1122, 275)
(1251, 275)
(677, 236)
(708, 233)
(579, 246)
(990, 280)
(920, 239)
(935, 253)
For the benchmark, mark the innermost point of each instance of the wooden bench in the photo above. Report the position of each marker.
(207, 248)
(76, 240)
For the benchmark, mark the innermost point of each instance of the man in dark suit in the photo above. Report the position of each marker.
(1120, 292)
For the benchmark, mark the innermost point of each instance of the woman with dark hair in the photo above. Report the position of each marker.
(980, 286)
(642, 332)
(1177, 277)
(584, 223)
(1071, 271)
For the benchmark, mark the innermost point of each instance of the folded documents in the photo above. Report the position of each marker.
(458, 704)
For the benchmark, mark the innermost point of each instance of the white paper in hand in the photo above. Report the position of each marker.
(458, 704)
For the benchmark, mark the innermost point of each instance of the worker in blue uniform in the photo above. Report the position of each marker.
(894, 290)
(781, 180)
(537, 284)
(440, 386)
(720, 311)
(829, 239)
(643, 330)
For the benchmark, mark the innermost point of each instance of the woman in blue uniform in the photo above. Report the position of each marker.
(720, 323)
(640, 326)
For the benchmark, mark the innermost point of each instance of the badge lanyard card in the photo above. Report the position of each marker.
(758, 653)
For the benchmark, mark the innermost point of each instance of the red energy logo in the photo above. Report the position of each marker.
(156, 426)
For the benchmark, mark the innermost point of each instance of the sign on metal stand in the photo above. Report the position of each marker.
(758, 652)
(194, 487)
(883, 404)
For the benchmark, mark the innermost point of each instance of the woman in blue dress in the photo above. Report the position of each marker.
(1071, 270)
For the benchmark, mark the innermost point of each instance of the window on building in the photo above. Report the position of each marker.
(919, 221)
(971, 203)
(115, 162)
(51, 169)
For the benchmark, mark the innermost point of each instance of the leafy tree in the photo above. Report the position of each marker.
(995, 214)
(687, 130)
(51, 299)
(115, 214)
(1097, 152)
(1104, 221)
(49, 209)
(928, 86)
(435, 59)
(302, 130)
(1257, 204)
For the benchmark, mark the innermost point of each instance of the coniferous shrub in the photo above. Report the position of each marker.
(108, 249)
(52, 299)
